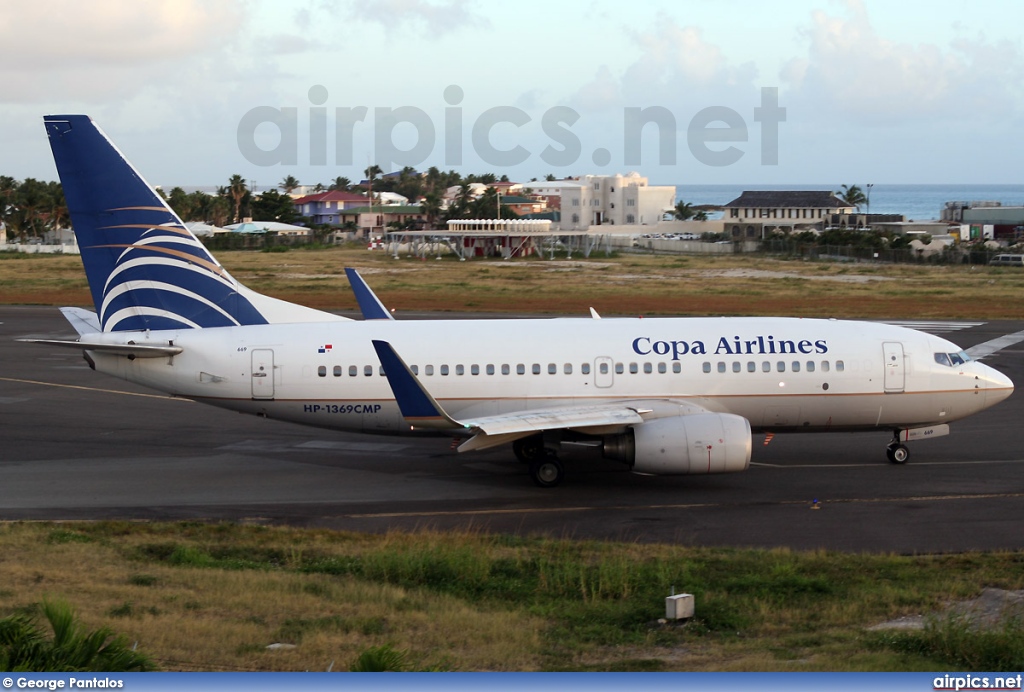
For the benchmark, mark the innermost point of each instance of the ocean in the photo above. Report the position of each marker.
(916, 202)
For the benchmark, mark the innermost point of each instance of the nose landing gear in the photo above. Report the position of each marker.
(897, 452)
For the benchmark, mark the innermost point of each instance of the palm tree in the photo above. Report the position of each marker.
(341, 184)
(683, 211)
(372, 172)
(237, 190)
(24, 647)
(432, 207)
(289, 184)
(852, 195)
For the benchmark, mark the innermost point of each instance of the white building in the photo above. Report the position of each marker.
(619, 200)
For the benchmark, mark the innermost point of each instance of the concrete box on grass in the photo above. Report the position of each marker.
(679, 607)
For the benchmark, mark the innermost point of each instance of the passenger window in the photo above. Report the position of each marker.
(840, 366)
(604, 368)
(648, 368)
(662, 368)
(751, 366)
(381, 369)
(536, 368)
(428, 370)
(337, 371)
(490, 369)
(474, 369)
(322, 371)
(505, 369)
(567, 368)
(459, 370)
(824, 366)
(721, 366)
(706, 367)
(353, 370)
(781, 366)
(633, 369)
(585, 368)
(677, 367)
(766, 366)
(619, 369)
(368, 371)
(444, 370)
(736, 367)
(552, 369)
(810, 366)
(796, 366)
(520, 369)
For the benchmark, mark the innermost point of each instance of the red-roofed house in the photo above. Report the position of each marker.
(324, 207)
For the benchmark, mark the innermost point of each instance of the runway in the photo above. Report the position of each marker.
(77, 445)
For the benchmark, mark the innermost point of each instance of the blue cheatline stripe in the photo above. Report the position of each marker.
(413, 400)
(369, 303)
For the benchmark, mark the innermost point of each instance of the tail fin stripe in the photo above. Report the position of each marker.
(134, 319)
(184, 232)
(160, 269)
(157, 291)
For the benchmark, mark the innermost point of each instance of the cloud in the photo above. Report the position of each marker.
(856, 73)
(65, 50)
(679, 56)
(438, 17)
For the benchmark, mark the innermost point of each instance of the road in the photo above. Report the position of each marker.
(78, 445)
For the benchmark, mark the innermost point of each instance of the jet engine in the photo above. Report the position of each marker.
(694, 444)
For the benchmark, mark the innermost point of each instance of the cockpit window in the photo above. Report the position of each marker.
(952, 359)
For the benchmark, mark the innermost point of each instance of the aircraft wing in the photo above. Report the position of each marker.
(419, 408)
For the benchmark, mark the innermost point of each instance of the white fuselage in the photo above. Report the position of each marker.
(778, 373)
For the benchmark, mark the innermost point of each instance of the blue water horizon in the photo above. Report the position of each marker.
(915, 202)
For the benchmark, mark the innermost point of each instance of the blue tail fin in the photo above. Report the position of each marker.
(145, 268)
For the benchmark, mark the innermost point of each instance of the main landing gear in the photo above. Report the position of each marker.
(545, 468)
(897, 452)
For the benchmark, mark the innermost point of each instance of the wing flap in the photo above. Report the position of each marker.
(561, 417)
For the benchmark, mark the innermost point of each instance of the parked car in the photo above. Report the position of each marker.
(1007, 261)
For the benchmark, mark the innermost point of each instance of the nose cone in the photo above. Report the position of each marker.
(997, 385)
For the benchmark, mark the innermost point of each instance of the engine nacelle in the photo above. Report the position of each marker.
(699, 443)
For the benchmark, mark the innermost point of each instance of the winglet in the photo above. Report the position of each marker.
(417, 406)
(369, 303)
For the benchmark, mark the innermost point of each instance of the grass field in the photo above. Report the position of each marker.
(625, 285)
(213, 597)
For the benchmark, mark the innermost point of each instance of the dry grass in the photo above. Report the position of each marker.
(197, 618)
(626, 285)
(213, 597)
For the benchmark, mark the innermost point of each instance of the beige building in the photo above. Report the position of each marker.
(618, 200)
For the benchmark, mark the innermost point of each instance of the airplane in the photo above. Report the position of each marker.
(662, 395)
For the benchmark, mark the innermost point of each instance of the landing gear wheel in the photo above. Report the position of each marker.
(529, 449)
(897, 453)
(547, 472)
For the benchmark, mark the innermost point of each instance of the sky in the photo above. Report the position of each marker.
(685, 92)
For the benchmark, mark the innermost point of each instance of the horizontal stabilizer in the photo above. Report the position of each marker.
(369, 303)
(84, 321)
(131, 350)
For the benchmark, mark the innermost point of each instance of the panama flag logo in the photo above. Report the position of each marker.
(326, 348)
